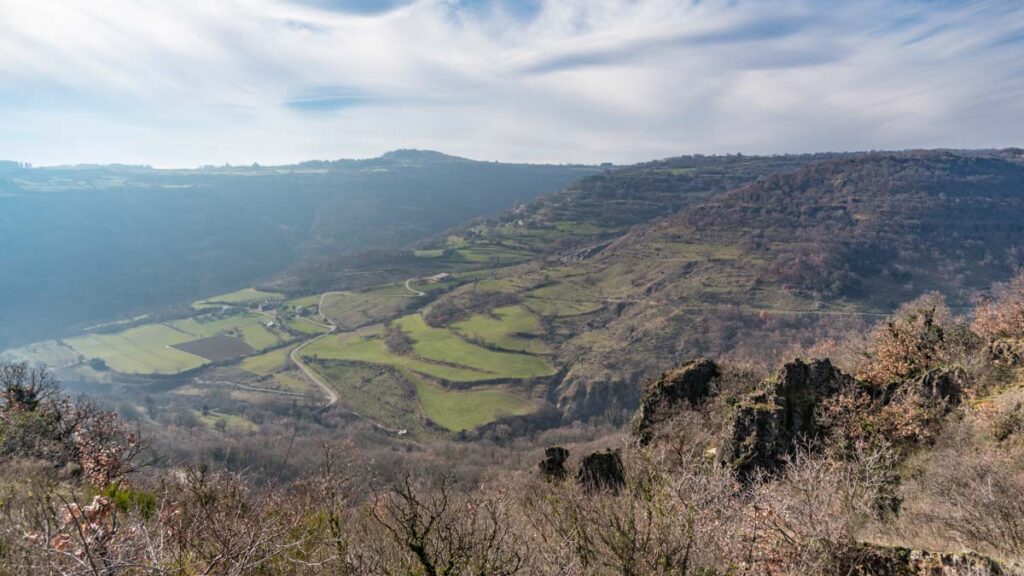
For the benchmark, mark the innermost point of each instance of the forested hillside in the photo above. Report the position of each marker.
(767, 268)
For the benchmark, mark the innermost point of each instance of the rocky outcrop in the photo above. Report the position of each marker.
(553, 464)
(685, 387)
(602, 471)
(768, 422)
(1007, 351)
(942, 384)
(873, 560)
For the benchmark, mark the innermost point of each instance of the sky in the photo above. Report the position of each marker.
(176, 83)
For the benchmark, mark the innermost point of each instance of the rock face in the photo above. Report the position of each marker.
(687, 386)
(553, 464)
(602, 471)
(770, 421)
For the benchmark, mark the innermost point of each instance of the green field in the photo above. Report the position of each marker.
(305, 326)
(579, 228)
(295, 381)
(249, 327)
(206, 326)
(492, 254)
(350, 310)
(383, 394)
(149, 348)
(267, 363)
(504, 329)
(443, 345)
(142, 350)
(244, 296)
(439, 353)
(303, 301)
(259, 336)
(372, 349)
(467, 409)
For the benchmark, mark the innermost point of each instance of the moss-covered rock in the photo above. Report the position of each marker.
(685, 387)
(768, 422)
(553, 464)
(602, 471)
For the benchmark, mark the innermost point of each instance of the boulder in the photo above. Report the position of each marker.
(602, 471)
(685, 387)
(553, 464)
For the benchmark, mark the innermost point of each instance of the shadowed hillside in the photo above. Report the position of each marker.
(89, 244)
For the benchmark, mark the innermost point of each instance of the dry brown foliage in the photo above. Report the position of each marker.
(1002, 316)
(921, 335)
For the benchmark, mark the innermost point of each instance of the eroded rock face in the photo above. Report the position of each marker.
(770, 421)
(685, 387)
(553, 464)
(602, 471)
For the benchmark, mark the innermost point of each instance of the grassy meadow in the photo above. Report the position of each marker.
(508, 328)
(444, 345)
(468, 409)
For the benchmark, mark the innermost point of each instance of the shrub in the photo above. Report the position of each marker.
(1002, 316)
(921, 335)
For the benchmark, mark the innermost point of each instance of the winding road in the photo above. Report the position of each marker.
(332, 396)
(413, 290)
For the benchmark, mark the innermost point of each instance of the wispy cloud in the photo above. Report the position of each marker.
(185, 83)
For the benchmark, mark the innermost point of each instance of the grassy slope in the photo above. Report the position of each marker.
(142, 350)
(503, 329)
(371, 348)
(445, 346)
(350, 310)
(305, 326)
(467, 409)
(266, 363)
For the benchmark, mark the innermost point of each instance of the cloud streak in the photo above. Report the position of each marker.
(177, 83)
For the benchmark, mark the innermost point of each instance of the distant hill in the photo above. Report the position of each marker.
(660, 264)
(87, 244)
(793, 257)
